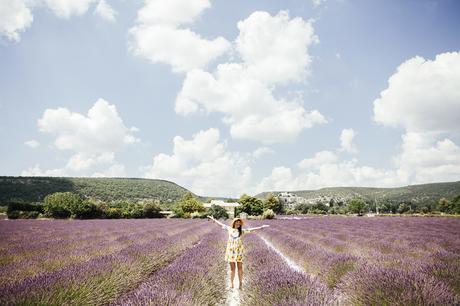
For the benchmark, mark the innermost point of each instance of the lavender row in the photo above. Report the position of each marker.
(272, 282)
(56, 258)
(314, 259)
(15, 235)
(363, 279)
(116, 270)
(197, 277)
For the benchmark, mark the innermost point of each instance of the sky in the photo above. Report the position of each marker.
(232, 97)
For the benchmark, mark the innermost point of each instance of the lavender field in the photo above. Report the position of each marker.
(312, 261)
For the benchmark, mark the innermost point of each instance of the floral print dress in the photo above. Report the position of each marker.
(235, 249)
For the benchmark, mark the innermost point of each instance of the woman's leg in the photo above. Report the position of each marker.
(232, 273)
(240, 273)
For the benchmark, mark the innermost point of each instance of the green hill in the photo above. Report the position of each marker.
(413, 193)
(35, 189)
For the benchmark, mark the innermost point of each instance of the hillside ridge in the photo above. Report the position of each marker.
(415, 193)
(35, 188)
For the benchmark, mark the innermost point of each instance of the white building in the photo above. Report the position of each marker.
(289, 199)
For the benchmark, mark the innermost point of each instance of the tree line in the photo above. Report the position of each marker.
(72, 205)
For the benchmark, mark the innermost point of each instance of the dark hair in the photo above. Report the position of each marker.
(240, 229)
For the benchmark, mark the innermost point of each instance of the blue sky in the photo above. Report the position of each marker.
(227, 97)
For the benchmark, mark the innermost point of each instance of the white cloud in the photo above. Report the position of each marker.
(113, 170)
(325, 170)
(160, 36)
(105, 11)
(259, 152)
(317, 3)
(346, 141)
(171, 12)
(116, 170)
(93, 139)
(203, 165)
(68, 8)
(423, 98)
(320, 158)
(279, 179)
(425, 159)
(180, 48)
(423, 95)
(274, 51)
(275, 48)
(83, 161)
(15, 17)
(32, 143)
(102, 130)
(37, 171)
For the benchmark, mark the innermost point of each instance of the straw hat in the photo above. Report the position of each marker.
(236, 219)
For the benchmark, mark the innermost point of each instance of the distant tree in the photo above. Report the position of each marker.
(273, 203)
(87, 210)
(187, 205)
(424, 209)
(403, 208)
(444, 205)
(456, 205)
(356, 206)
(250, 205)
(388, 207)
(114, 213)
(21, 205)
(268, 214)
(318, 208)
(152, 209)
(331, 202)
(450, 207)
(302, 208)
(217, 212)
(62, 204)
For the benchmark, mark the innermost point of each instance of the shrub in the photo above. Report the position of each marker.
(273, 203)
(114, 213)
(187, 205)
(87, 210)
(217, 212)
(318, 208)
(23, 206)
(62, 204)
(302, 208)
(403, 208)
(356, 206)
(268, 214)
(250, 205)
(28, 214)
(14, 214)
(152, 210)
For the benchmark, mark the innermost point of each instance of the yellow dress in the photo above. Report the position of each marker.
(235, 249)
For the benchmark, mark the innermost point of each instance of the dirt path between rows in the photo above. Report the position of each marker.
(338, 296)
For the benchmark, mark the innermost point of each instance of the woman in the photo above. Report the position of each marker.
(235, 250)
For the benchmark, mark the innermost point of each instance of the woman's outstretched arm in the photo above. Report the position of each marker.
(256, 228)
(217, 221)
